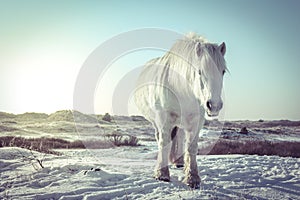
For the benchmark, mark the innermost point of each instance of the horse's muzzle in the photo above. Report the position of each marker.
(213, 108)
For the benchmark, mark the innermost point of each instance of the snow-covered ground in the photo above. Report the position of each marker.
(126, 173)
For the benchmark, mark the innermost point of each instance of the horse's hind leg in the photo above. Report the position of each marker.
(177, 149)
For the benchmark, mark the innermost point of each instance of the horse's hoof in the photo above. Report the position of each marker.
(193, 182)
(162, 174)
(165, 179)
(194, 185)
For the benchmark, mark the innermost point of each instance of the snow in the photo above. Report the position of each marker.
(126, 173)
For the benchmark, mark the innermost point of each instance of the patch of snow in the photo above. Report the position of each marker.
(126, 173)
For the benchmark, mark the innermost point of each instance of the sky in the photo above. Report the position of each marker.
(44, 44)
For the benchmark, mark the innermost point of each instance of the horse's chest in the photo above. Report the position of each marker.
(187, 121)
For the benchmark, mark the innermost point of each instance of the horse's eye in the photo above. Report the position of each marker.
(223, 72)
(199, 72)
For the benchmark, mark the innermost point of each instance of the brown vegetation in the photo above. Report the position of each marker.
(118, 139)
(107, 117)
(46, 145)
(252, 147)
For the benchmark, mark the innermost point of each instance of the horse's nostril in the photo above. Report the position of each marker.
(208, 105)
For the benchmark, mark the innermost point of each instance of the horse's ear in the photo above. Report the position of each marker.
(222, 48)
(198, 49)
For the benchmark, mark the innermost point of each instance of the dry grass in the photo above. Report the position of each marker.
(119, 139)
(46, 145)
(279, 148)
(222, 146)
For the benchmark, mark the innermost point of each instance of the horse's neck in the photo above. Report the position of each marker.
(182, 77)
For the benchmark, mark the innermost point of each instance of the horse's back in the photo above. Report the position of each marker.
(151, 91)
(145, 87)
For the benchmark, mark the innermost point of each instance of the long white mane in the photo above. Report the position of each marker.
(182, 57)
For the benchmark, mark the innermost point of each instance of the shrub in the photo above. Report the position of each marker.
(115, 138)
(107, 117)
(131, 141)
(118, 139)
(244, 130)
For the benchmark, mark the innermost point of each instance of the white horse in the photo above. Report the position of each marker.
(174, 92)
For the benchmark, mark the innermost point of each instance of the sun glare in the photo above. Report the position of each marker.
(43, 80)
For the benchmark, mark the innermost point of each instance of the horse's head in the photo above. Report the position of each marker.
(211, 71)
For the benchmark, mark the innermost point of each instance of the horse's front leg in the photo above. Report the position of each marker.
(164, 126)
(192, 178)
